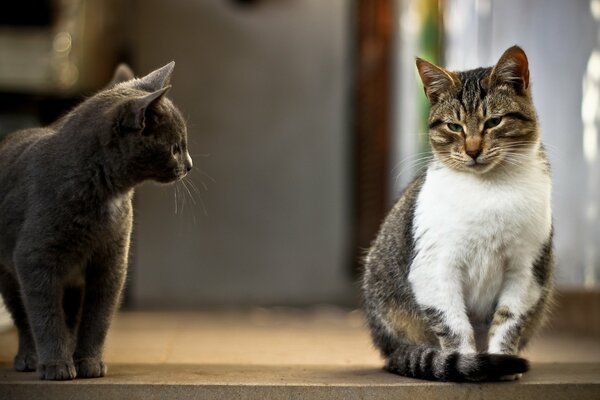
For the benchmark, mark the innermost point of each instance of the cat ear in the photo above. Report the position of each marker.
(133, 117)
(435, 80)
(512, 69)
(122, 74)
(157, 79)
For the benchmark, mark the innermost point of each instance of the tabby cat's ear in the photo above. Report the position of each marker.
(512, 69)
(133, 114)
(436, 80)
(122, 74)
(156, 79)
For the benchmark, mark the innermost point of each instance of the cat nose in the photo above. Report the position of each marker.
(473, 146)
(474, 153)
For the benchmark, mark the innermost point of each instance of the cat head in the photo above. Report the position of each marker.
(482, 118)
(147, 133)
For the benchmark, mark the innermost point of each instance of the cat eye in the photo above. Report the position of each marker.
(455, 127)
(492, 122)
(176, 149)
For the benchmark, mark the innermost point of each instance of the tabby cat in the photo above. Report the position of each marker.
(66, 217)
(459, 277)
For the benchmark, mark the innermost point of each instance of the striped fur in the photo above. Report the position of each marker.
(459, 277)
(426, 362)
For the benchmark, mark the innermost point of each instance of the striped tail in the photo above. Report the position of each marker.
(434, 364)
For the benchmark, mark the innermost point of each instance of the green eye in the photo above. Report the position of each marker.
(492, 122)
(455, 127)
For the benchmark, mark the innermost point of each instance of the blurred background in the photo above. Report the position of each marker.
(306, 119)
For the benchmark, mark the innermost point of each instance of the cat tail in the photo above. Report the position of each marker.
(417, 361)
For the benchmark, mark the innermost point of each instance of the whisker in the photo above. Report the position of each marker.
(412, 166)
(203, 185)
(191, 182)
(205, 174)
(183, 181)
(412, 158)
(409, 157)
(512, 162)
(515, 146)
(182, 201)
(182, 198)
(188, 190)
(418, 171)
(520, 157)
(175, 200)
(194, 188)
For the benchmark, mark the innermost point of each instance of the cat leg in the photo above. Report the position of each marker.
(505, 334)
(43, 295)
(518, 305)
(72, 306)
(438, 291)
(105, 277)
(520, 311)
(26, 358)
(529, 324)
(524, 299)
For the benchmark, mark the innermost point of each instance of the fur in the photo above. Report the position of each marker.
(460, 275)
(66, 217)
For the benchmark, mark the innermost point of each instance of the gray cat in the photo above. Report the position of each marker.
(459, 277)
(66, 217)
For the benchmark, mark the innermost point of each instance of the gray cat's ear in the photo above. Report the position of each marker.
(156, 79)
(122, 74)
(512, 69)
(133, 116)
(436, 80)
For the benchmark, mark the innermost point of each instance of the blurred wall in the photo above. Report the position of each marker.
(265, 91)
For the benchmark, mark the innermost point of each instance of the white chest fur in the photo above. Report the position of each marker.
(469, 228)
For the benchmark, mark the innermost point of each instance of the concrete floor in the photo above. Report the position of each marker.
(324, 353)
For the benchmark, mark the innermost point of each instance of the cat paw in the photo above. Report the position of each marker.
(513, 377)
(25, 362)
(90, 368)
(57, 371)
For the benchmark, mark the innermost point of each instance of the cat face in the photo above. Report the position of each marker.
(484, 118)
(165, 142)
(148, 130)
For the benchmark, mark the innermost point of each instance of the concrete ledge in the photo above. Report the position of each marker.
(323, 353)
(189, 381)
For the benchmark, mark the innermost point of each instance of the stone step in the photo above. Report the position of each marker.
(325, 353)
(192, 381)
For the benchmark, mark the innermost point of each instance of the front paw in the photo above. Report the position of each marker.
(26, 361)
(90, 368)
(57, 371)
